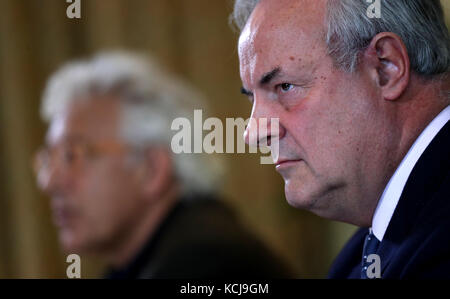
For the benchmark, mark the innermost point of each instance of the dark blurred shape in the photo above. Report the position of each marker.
(201, 237)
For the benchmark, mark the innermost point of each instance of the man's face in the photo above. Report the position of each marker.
(329, 121)
(94, 191)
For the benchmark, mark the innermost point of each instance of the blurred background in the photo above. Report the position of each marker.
(193, 39)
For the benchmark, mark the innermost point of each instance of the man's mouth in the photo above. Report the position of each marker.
(285, 163)
(63, 216)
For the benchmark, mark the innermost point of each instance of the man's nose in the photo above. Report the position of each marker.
(51, 179)
(264, 124)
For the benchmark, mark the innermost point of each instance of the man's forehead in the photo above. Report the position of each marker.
(85, 118)
(285, 21)
(304, 15)
(278, 31)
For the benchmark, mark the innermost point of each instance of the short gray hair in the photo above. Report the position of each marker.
(150, 98)
(419, 23)
(242, 11)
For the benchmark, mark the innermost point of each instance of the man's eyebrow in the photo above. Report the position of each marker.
(267, 77)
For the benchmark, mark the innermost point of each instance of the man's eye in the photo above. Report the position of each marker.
(72, 155)
(285, 87)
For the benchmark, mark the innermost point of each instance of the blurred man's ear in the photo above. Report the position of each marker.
(388, 60)
(158, 174)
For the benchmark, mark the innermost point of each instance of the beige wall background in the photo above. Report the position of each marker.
(193, 39)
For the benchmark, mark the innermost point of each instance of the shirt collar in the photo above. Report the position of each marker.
(391, 195)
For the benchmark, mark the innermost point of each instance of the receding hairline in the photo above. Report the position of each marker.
(312, 28)
(284, 15)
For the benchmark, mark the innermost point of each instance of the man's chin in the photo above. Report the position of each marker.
(70, 243)
(299, 199)
(319, 203)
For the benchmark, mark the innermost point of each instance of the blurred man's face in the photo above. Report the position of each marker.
(94, 190)
(330, 133)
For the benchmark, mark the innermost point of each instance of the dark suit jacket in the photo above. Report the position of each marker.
(202, 238)
(417, 240)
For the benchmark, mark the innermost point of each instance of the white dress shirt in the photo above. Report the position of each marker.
(394, 188)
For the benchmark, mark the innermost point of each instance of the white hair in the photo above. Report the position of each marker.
(150, 100)
(419, 23)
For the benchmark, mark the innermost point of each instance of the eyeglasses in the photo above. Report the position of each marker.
(71, 156)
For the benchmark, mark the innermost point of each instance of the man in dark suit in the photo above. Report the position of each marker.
(361, 94)
(119, 192)
(416, 243)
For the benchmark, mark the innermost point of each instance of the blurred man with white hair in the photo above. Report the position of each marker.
(117, 189)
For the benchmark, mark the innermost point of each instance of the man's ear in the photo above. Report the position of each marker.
(389, 59)
(158, 174)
